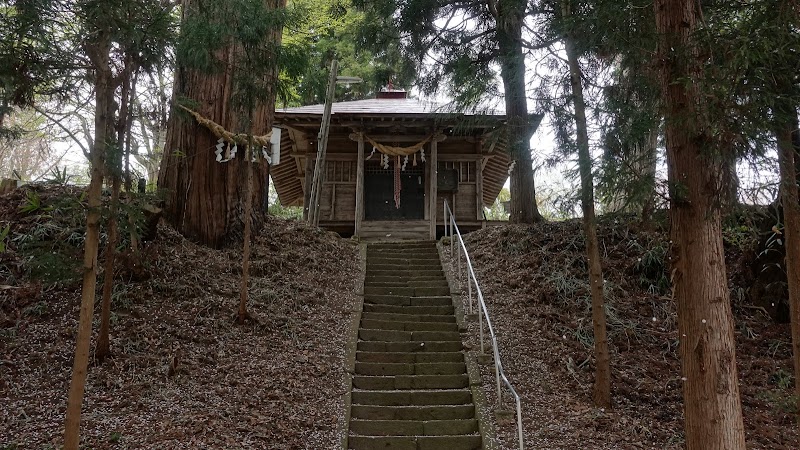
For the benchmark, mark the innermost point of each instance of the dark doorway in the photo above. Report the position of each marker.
(379, 193)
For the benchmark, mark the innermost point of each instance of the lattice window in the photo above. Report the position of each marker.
(340, 172)
(466, 169)
(375, 167)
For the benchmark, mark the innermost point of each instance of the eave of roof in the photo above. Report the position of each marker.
(394, 107)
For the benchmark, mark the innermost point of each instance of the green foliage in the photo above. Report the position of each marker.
(210, 31)
(742, 237)
(497, 211)
(32, 202)
(651, 266)
(781, 397)
(286, 212)
(3, 236)
(115, 437)
(329, 29)
(58, 177)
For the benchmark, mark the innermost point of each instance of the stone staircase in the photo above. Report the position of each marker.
(410, 386)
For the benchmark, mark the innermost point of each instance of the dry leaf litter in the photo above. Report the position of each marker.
(182, 373)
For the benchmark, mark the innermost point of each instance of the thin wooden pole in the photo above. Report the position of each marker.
(322, 147)
(433, 187)
(359, 185)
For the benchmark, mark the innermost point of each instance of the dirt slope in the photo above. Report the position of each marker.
(534, 281)
(183, 374)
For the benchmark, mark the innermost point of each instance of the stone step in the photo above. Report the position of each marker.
(405, 309)
(409, 357)
(417, 265)
(405, 244)
(406, 273)
(411, 284)
(411, 397)
(391, 278)
(366, 334)
(403, 258)
(413, 427)
(447, 412)
(406, 347)
(472, 442)
(406, 300)
(407, 326)
(387, 369)
(398, 382)
(408, 317)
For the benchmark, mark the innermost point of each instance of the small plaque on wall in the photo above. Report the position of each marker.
(447, 180)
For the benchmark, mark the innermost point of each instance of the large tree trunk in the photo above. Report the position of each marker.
(524, 208)
(786, 124)
(204, 198)
(712, 407)
(602, 382)
(248, 211)
(791, 223)
(104, 108)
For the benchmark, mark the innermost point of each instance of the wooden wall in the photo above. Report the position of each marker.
(338, 192)
(338, 200)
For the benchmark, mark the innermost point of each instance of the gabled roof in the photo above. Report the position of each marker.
(377, 106)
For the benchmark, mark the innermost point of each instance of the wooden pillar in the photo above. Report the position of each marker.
(307, 185)
(359, 182)
(432, 192)
(479, 188)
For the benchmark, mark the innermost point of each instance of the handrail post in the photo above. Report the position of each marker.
(497, 365)
(444, 216)
(480, 320)
(469, 289)
(451, 239)
(482, 310)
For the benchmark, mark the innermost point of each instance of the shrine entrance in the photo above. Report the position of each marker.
(379, 201)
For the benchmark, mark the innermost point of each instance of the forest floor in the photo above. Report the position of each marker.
(534, 280)
(182, 373)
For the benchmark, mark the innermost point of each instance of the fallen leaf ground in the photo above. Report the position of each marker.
(534, 282)
(276, 382)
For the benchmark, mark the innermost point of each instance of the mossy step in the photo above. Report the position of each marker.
(407, 309)
(415, 442)
(411, 397)
(405, 347)
(399, 336)
(398, 382)
(413, 427)
(437, 368)
(409, 357)
(407, 326)
(408, 300)
(447, 412)
(409, 317)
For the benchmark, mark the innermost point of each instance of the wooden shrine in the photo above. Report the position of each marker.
(362, 192)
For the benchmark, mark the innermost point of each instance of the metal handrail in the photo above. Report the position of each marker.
(484, 314)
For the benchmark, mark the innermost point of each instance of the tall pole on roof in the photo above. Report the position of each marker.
(322, 148)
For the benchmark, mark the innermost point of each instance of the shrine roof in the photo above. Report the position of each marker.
(385, 106)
